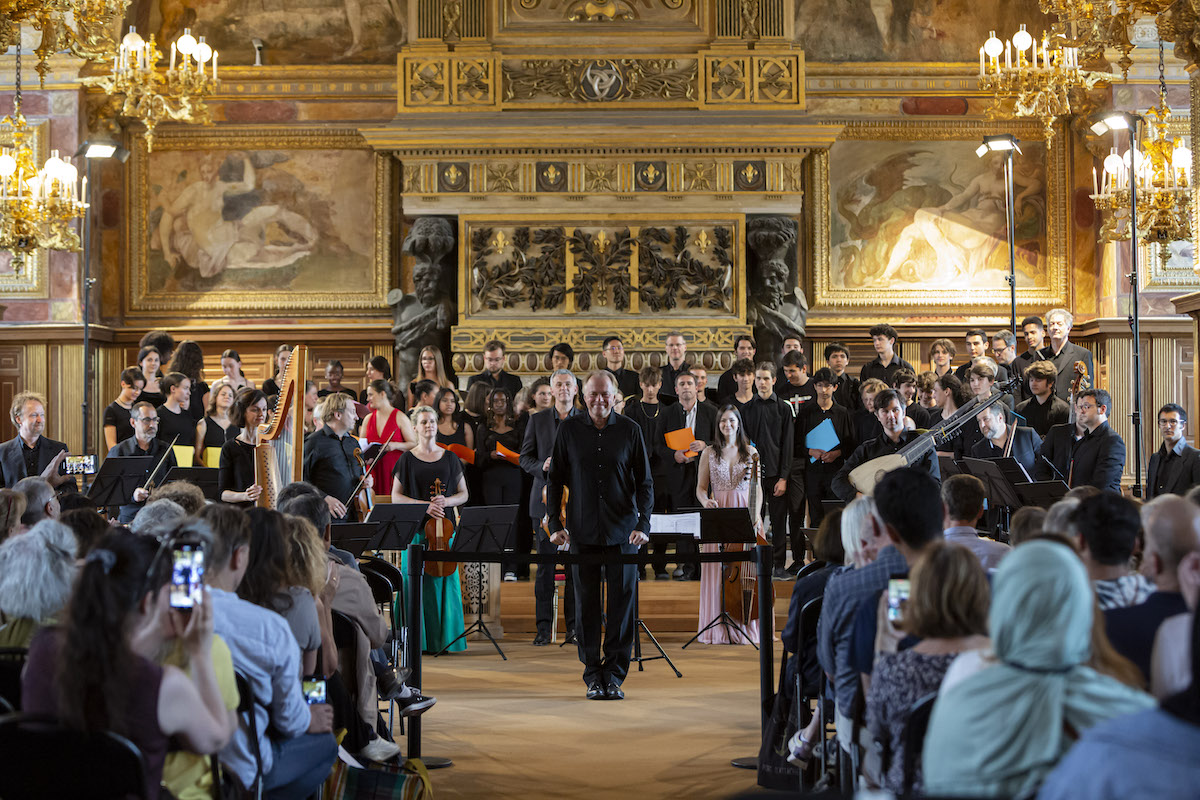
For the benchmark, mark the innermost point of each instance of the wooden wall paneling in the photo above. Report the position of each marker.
(12, 372)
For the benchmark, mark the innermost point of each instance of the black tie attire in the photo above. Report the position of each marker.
(537, 446)
(331, 466)
(611, 494)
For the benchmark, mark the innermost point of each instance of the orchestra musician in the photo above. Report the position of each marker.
(1175, 466)
(330, 461)
(1086, 452)
(1063, 353)
(997, 430)
(237, 480)
(889, 409)
(144, 442)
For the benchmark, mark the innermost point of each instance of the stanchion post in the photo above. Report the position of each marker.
(416, 567)
(766, 633)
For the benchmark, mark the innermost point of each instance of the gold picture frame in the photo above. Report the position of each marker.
(33, 283)
(1050, 280)
(282, 255)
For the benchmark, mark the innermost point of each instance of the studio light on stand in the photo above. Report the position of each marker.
(91, 150)
(1124, 175)
(1006, 144)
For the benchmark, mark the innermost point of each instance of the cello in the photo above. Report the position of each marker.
(739, 580)
(438, 533)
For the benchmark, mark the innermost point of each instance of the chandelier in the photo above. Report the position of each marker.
(151, 95)
(1032, 80)
(1097, 25)
(37, 206)
(1161, 169)
(81, 27)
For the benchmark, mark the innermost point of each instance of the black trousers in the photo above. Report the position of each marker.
(818, 487)
(795, 500)
(610, 662)
(543, 590)
(777, 512)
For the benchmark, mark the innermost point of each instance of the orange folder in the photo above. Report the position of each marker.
(465, 453)
(681, 440)
(509, 455)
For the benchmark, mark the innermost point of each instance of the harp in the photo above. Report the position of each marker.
(279, 456)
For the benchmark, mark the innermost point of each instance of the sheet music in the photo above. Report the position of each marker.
(676, 523)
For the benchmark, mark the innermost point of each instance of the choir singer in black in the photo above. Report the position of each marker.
(600, 458)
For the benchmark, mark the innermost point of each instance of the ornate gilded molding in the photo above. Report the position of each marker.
(31, 283)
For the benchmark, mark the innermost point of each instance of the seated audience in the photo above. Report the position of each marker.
(947, 609)
(1106, 529)
(117, 620)
(1058, 517)
(189, 496)
(1170, 667)
(36, 573)
(158, 517)
(1024, 524)
(963, 499)
(999, 732)
(40, 501)
(12, 508)
(87, 525)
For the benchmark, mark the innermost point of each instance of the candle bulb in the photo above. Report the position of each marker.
(981, 61)
(214, 66)
(1095, 188)
(172, 69)
(1008, 54)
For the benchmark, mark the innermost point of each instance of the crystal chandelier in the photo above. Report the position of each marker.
(151, 95)
(1162, 170)
(80, 27)
(1031, 79)
(37, 206)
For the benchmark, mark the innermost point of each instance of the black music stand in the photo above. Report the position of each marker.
(1042, 494)
(723, 526)
(117, 479)
(1000, 477)
(482, 530)
(640, 625)
(355, 537)
(398, 524)
(204, 477)
(947, 466)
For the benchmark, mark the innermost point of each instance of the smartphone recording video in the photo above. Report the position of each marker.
(898, 589)
(187, 575)
(314, 690)
(80, 465)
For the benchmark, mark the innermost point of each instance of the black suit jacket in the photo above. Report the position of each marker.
(1187, 474)
(1025, 447)
(12, 460)
(680, 479)
(536, 447)
(1097, 459)
(1064, 362)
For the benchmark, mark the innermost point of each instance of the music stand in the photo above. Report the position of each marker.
(398, 524)
(997, 476)
(947, 466)
(117, 479)
(687, 522)
(482, 530)
(1042, 494)
(204, 477)
(355, 537)
(723, 526)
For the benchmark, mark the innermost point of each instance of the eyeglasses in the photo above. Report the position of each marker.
(1170, 423)
(148, 420)
(1087, 407)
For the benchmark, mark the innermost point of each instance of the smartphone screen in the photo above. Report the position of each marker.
(897, 596)
(187, 575)
(314, 690)
(80, 465)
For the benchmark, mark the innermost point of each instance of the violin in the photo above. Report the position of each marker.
(438, 533)
(739, 581)
(363, 498)
(149, 485)
(1081, 380)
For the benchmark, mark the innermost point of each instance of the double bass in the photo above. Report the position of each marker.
(438, 533)
(739, 579)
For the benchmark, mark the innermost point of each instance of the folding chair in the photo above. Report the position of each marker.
(12, 661)
(46, 759)
(914, 739)
(246, 704)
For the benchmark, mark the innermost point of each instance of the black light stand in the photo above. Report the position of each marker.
(1006, 143)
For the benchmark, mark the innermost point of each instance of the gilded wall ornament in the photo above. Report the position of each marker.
(651, 176)
(601, 269)
(412, 178)
(600, 178)
(551, 176)
(699, 176)
(426, 82)
(600, 80)
(670, 274)
(473, 81)
(600, 11)
(454, 177)
(528, 268)
(749, 176)
(503, 177)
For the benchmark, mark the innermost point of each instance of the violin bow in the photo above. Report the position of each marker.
(153, 472)
(367, 470)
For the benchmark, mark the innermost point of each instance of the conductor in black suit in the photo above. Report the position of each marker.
(1087, 452)
(29, 454)
(1063, 353)
(678, 467)
(536, 450)
(1175, 466)
(330, 462)
(997, 430)
(601, 458)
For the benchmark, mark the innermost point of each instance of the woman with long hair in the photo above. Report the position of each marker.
(386, 422)
(188, 359)
(723, 481)
(96, 671)
(310, 403)
(378, 369)
(430, 366)
(501, 478)
(412, 482)
(452, 429)
(272, 386)
(231, 365)
(118, 425)
(150, 363)
(236, 478)
(216, 428)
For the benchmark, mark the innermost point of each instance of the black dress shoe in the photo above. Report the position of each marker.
(614, 692)
(661, 576)
(541, 640)
(596, 691)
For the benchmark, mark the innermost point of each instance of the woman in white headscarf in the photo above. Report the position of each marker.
(999, 732)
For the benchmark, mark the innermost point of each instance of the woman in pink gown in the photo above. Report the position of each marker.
(384, 421)
(724, 482)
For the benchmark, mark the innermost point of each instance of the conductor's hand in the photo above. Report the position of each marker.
(336, 508)
(562, 538)
(638, 538)
(140, 495)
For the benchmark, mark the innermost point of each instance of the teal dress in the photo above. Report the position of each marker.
(441, 598)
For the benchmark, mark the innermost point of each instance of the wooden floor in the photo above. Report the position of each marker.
(522, 728)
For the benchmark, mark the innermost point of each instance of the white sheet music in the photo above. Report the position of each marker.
(676, 523)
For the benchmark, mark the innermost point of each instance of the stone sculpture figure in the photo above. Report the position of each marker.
(774, 309)
(423, 317)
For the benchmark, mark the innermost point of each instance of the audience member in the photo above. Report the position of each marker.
(963, 498)
(40, 500)
(1170, 667)
(158, 517)
(87, 525)
(999, 732)
(95, 672)
(1058, 517)
(1106, 529)
(12, 508)
(37, 570)
(189, 496)
(1024, 524)
(947, 610)
(860, 536)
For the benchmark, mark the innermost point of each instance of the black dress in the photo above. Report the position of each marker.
(155, 399)
(237, 469)
(216, 436)
(171, 425)
(417, 476)
(504, 483)
(196, 405)
(119, 417)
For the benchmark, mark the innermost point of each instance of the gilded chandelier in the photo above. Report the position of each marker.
(38, 207)
(151, 95)
(1036, 78)
(81, 27)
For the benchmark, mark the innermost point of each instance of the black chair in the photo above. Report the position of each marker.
(810, 614)
(12, 662)
(809, 569)
(914, 739)
(386, 582)
(246, 708)
(45, 759)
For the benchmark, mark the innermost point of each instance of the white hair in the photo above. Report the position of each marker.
(855, 518)
(37, 569)
(158, 517)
